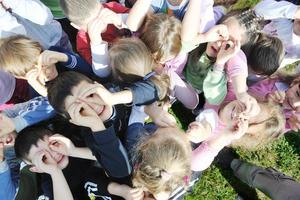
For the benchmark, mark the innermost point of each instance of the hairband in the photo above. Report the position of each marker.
(149, 75)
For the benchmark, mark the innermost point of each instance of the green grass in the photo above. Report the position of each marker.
(282, 155)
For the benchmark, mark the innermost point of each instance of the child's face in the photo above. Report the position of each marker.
(292, 99)
(43, 146)
(84, 92)
(236, 33)
(6, 125)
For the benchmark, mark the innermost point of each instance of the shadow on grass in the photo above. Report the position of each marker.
(293, 139)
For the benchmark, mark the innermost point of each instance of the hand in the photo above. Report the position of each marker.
(294, 122)
(240, 128)
(251, 106)
(228, 50)
(6, 125)
(160, 115)
(83, 115)
(3, 5)
(44, 163)
(135, 194)
(61, 144)
(94, 29)
(105, 95)
(218, 32)
(276, 96)
(49, 58)
(199, 131)
(110, 17)
(33, 78)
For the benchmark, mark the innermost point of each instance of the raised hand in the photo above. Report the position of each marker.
(199, 131)
(61, 144)
(160, 115)
(44, 163)
(276, 96)
(218, 32)
(228, 50)
(251, 106)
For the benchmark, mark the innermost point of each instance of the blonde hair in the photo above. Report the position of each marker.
(131, 61)
(162, 35)
(162, 161)
(269, 130)
(79, 11)
(19, 54)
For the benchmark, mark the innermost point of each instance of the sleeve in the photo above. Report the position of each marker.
(215, 86)
(110, 152)
(75, 62)
(8, 188)
(9, 24)
(271, 9)
(24, 8)
(30, 113)
(157, 5)
(144, 93)
(237, 65)
(203, 156)
(100, 61)
(83, 46)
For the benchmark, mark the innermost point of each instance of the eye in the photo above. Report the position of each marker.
(91, 95)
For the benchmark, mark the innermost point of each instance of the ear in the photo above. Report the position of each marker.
(75, 26)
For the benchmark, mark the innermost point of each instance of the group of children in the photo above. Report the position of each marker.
(75, 103)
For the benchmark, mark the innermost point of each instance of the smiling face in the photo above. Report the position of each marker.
(292, 99)
(43, 146)
(236, 33)
(84, 92)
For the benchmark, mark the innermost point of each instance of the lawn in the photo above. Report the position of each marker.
(217, 183)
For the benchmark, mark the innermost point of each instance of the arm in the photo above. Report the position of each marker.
(69, 60)
(138, 13)
(24, 8)
(203, 156)
(30, 112)
(110, 152)
(61, 190)
(271, 9)
(9, 24)
(191, 21)
(144, 93)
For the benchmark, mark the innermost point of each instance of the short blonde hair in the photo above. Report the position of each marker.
(19, 54)
(131, 60)
(166, 151)
(269, 130)
(162, 35)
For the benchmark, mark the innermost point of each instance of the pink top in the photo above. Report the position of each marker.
(203, 156)
(264, 87)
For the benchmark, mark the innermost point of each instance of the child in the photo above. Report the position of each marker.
(52, 153)
(85, 16)
(38, 25)
(70, 90)
(283, 92)
(230, 125)
(25, 58)
(159, 178)
(284, 24)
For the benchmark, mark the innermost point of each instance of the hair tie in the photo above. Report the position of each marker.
(149, 75)
(186, 180)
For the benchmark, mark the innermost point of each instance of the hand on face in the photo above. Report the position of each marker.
(83, 115)
(61, 144)
(240, 128)
(110, 17)
(95, 28)
(276, 96)
(6, 125)
(251, 106)
(199, 131)
(228, 50)
(1, 151)
(44, 163)
(216, 33)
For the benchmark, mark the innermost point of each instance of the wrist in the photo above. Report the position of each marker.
(62, 57)
(99, 126)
